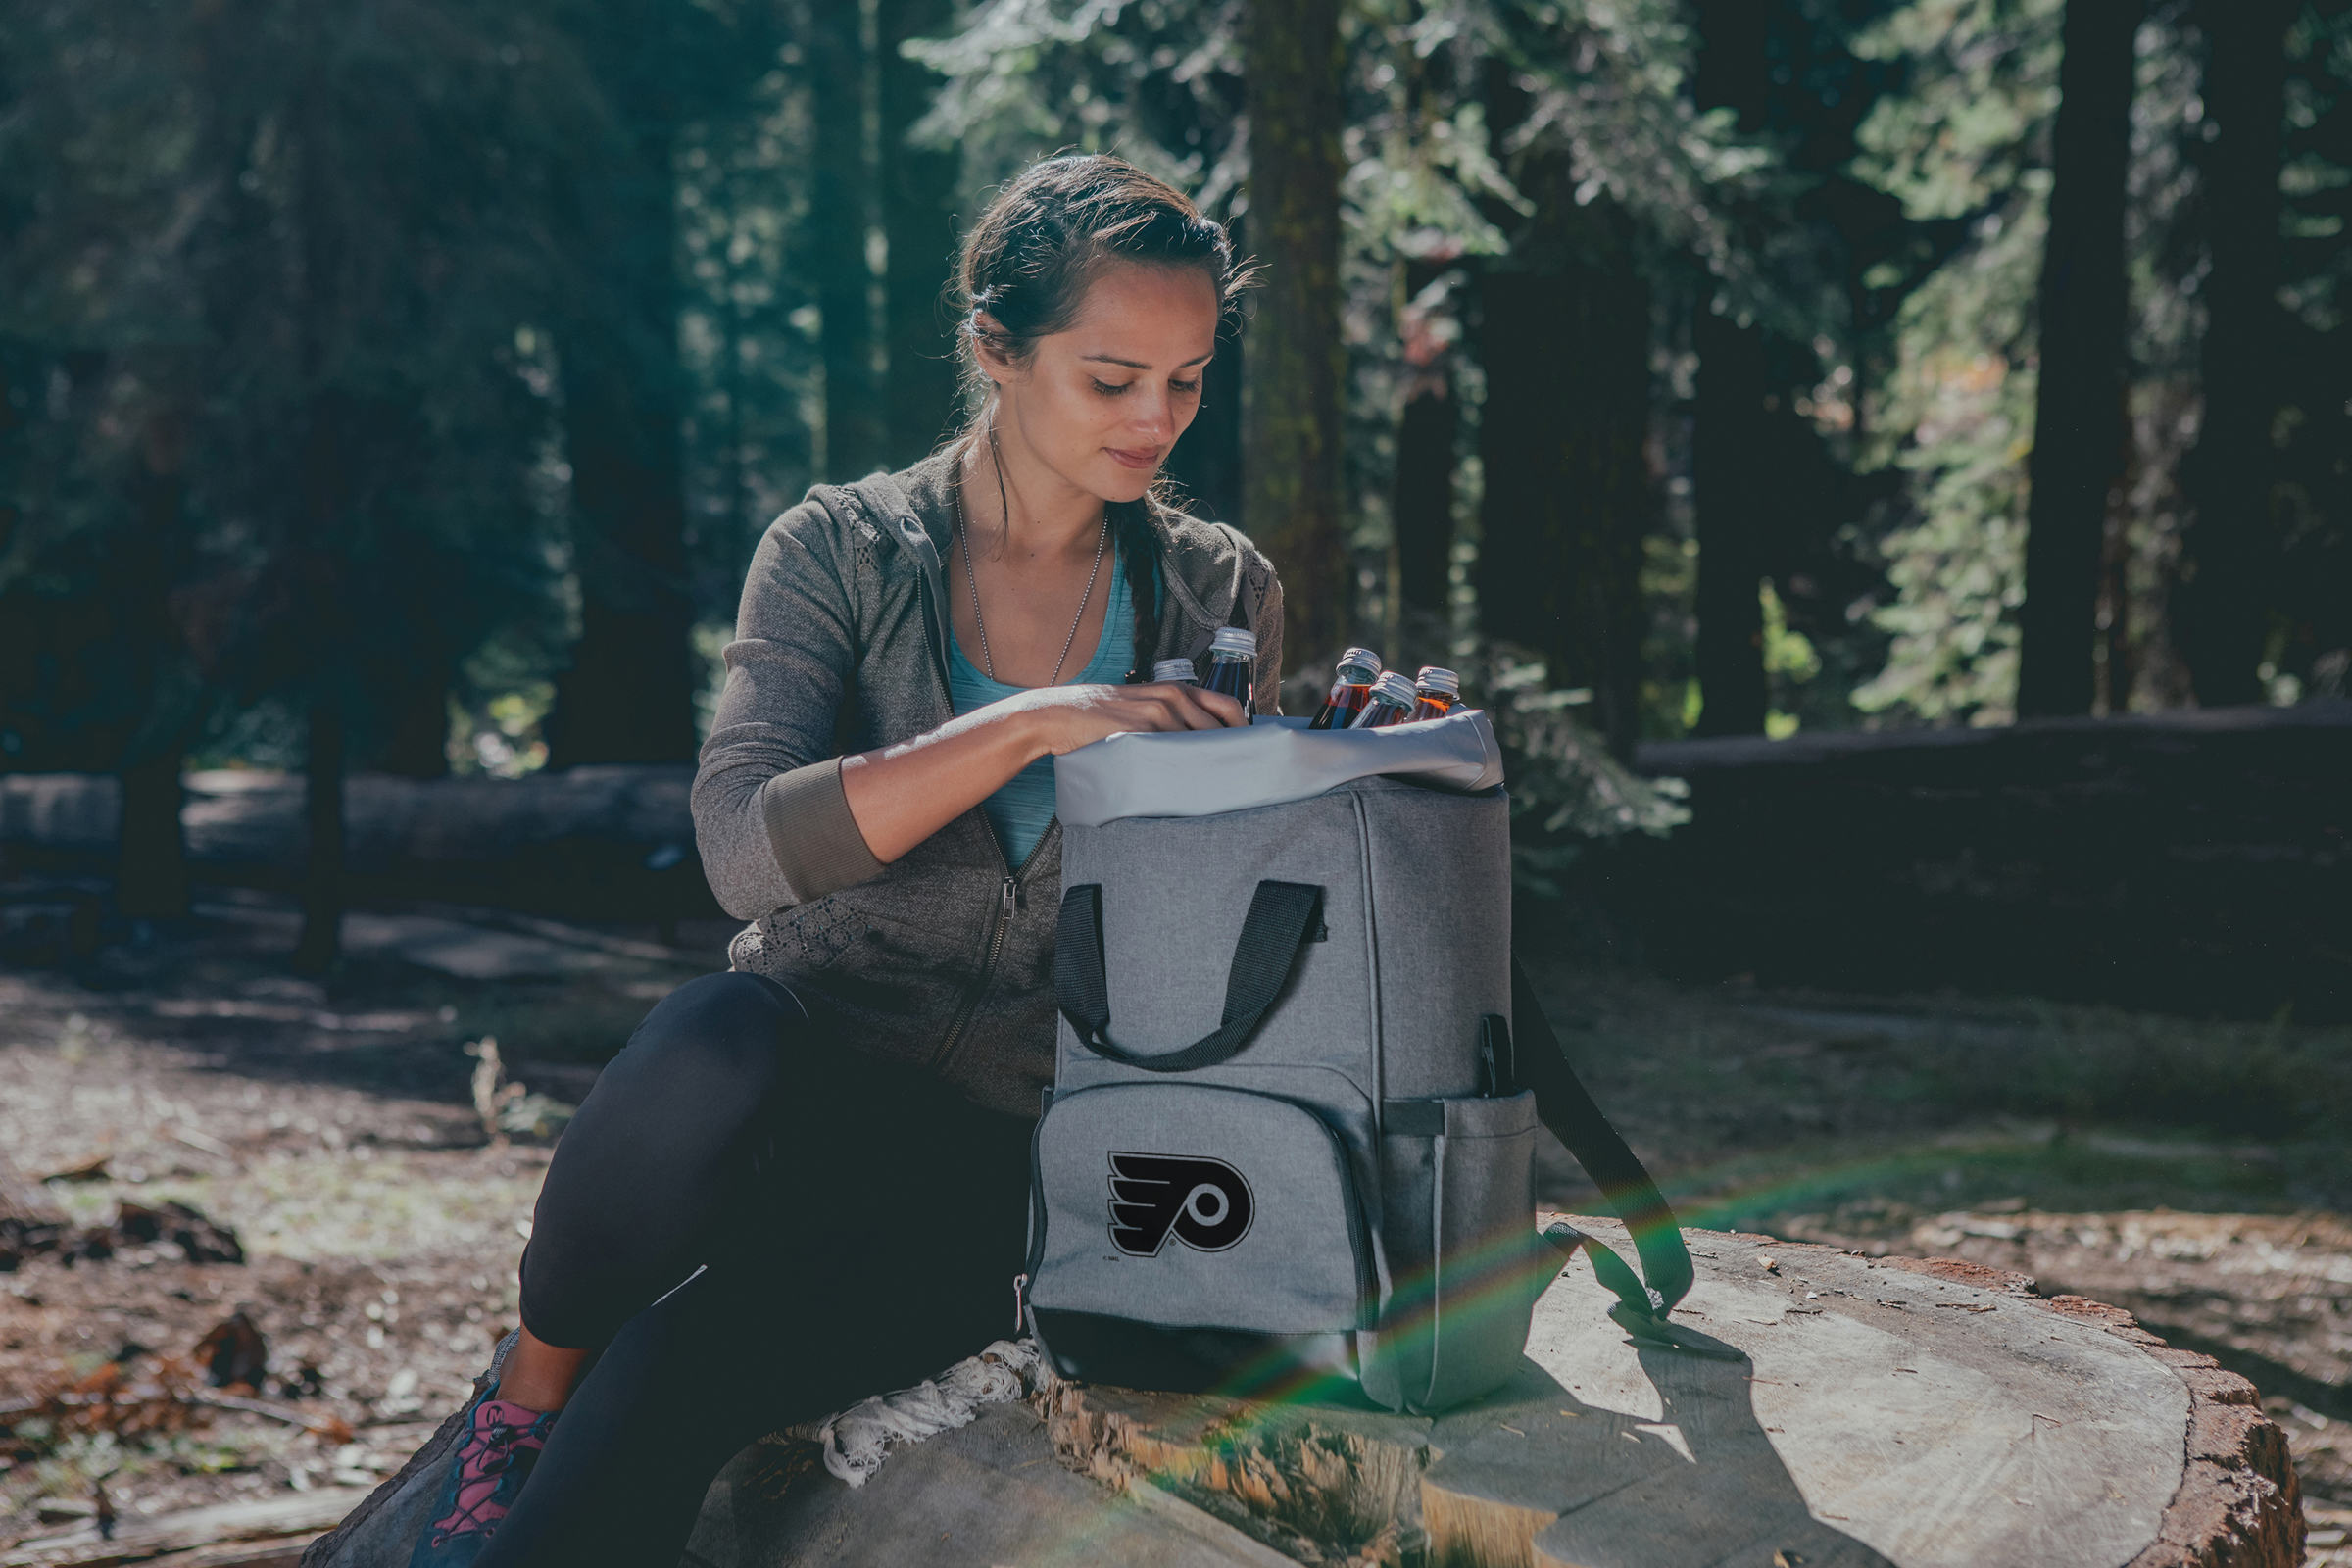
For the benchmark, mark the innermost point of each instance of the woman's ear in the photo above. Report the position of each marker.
(988, 348)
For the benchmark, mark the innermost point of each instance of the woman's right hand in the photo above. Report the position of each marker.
(900, 794)
(1066, 717)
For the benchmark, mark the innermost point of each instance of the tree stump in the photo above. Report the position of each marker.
(1876, 1411)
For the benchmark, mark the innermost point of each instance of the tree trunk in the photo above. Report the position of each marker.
(151, 871)
(1730, 455)
(2080, 428)
(2221, 617)
(842, 216)
(918, 221)
(1206, 464)
(151, 876)
(417, 744)
(322, 816)
(629, 696)
(1423, 507)
(1730, 436)
(1290, 433)
(1569, 499)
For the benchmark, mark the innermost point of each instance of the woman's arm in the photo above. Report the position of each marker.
(768, 815)
(902, 794)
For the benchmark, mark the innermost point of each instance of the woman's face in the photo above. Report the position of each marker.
(1101, 405)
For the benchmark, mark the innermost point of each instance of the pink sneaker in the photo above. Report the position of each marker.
(501, 1447)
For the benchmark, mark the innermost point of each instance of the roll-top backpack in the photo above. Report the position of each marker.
(1290, 1147)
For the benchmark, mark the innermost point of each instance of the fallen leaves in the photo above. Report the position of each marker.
(235, 1353)
(140, 1396)
(199, 1240)
(196, 1238)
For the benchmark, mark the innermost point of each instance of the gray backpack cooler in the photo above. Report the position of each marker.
(1285, 1149)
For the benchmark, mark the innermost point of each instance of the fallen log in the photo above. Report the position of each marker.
(266, 1533)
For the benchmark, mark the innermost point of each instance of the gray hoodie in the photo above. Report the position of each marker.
(946, 955)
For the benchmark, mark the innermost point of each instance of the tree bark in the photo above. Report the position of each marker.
(2081, 429)
(151, 871)
(322, 816)
(842, 216)
(1290, 431)
(1206, 464)
(629, 696)
(151, 876)
(2221, 618)
(417, 743)
(1569, 497)
(1423, 506)
(1730, 455)
(918, 221)
(1730, 436)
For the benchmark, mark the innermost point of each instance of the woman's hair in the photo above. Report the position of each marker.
(1026, 267)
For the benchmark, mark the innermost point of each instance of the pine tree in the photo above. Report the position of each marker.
(2079, 424)
(1291, 417)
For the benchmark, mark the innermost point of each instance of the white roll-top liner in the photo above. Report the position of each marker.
(1275, 761)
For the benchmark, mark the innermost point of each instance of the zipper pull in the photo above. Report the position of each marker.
(1020, 1304)
(1011, 888)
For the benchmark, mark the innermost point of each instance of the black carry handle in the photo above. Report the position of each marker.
(1280, 924)
(1575, 1120)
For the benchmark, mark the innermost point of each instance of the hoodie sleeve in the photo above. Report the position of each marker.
(771, 817)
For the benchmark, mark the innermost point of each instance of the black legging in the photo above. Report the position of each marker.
(759, 1225)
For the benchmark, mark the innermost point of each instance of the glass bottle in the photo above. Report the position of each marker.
(1440, 692)
(1175, 669)
(1393, 701)
(1231, 653)
(1350, 689)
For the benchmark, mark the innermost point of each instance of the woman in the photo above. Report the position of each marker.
(804, 1181)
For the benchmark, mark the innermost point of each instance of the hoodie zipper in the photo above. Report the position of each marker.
(1010, 889)
(1002, 928)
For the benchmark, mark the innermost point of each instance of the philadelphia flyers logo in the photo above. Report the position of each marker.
(1205, 1202)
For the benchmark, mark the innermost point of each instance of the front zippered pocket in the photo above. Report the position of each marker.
(1188, 1207)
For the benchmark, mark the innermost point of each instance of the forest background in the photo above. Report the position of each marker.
(402, 384)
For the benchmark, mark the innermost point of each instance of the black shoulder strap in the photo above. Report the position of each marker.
(1280, 923)
(1565, 1107)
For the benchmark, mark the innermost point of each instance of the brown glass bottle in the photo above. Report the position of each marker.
(1393, 701)
(1350, 689)
(1438, 692)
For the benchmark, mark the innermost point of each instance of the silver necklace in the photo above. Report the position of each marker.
(964, 534)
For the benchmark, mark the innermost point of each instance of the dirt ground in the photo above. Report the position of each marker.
(2194, 1173)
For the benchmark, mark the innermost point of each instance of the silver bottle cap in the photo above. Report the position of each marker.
(1360, 659)
(1432, 678)
(1233, 640)
(1392, 690)
(1175, 669)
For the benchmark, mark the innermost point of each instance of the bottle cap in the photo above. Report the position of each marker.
(1395, 688)
(1363, 660)
(1233, 640)
(1175, 669)
(1432, 678)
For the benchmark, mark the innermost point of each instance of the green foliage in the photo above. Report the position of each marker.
(1967, 140)
(1566, 790)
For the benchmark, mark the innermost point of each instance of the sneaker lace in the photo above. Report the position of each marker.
(489, 1452)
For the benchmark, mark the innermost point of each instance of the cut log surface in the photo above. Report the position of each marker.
(1880, 1412)
(987, 1492)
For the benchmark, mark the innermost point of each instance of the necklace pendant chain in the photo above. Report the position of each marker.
(971, 578)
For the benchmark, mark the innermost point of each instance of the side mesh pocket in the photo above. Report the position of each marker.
(1464, 1266)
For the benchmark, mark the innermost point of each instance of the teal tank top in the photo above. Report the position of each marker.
(1022, 809)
